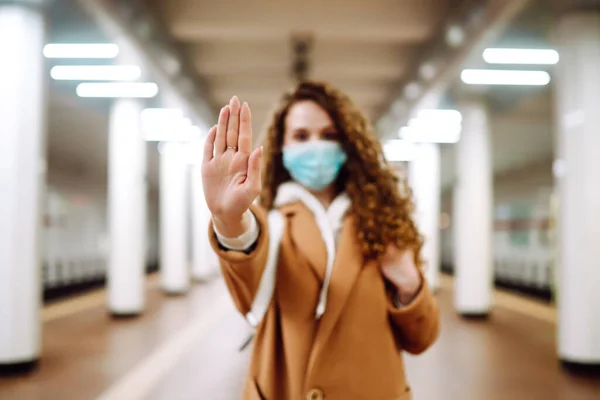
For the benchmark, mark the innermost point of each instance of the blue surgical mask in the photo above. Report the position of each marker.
(314, 164)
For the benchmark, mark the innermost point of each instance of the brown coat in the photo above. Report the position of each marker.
(354, 351)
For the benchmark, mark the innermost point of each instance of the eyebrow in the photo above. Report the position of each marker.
(304, 128)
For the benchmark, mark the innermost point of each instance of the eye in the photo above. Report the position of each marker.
(300, 135)
(331, 135)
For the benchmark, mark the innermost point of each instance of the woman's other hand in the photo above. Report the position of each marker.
(399, 268)
(230, 169)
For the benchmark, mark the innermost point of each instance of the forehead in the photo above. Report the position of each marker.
(307, 114)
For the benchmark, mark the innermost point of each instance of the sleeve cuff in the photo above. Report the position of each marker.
(406, 312)
(246, 240)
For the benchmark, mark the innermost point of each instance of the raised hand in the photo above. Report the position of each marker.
(231, 170)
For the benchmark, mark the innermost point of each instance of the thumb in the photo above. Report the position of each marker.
(254, 176)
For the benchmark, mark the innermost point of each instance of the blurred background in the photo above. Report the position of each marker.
(490, 108)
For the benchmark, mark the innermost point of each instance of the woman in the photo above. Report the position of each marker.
(349, 295)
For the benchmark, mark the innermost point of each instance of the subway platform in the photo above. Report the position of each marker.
(188, 347)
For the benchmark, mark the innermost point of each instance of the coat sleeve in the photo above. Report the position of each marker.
(416, 325)
(242, 270)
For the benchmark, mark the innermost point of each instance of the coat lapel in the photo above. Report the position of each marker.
(346, 269)
(309, 241)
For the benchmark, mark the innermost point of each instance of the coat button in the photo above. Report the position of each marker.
(315, 394)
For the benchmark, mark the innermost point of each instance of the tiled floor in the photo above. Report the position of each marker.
(187, 348)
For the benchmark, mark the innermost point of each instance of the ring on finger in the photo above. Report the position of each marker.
(232, 147)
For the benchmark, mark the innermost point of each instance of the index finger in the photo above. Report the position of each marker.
(245, 137)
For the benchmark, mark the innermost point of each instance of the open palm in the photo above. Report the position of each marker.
(231, 170)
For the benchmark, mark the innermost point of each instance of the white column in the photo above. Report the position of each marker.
(205, 260)
(472, 219)
(126, 209)
(22, 175)
(174, 266)
(578, 184)
(424, 178)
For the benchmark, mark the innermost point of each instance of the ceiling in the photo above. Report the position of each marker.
(78, 128)
(521, 118)
(363, 47)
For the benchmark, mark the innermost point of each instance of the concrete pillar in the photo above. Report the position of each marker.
(205, 263)
(22, 177)
(126, 209)
(424, 179)
(578, 223)
(174, 265)
(472, 220)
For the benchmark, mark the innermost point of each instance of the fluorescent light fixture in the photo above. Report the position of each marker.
(427, 71)
(168, 136)
(398, 150)
(92, 50)
(412, 90)
(504, 77)
(521, 56)
(420, 135)
(173, 150)
(455, 36)
(191, 153)
(196, 133)
(433, 126)
(95, 72)
(118, 90)
(422, 125)
(440, 116)
(174, 134)
(160, 116)
(167, 125)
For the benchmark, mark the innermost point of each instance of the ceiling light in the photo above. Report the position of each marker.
(167, 125)
(168, 136)
(95, 50)
(521, 56)
(422, 135)
(445, 116)
(455, 36)
(96, 72)
(189, 134)
(153, 116)
(433, 126)
(503, 77)
(398, 150)
(118, 90)
(190, 153)
(412, 90)
(427, 71)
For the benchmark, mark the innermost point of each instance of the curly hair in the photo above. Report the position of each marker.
(380, 200)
